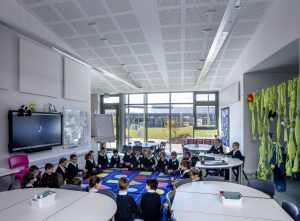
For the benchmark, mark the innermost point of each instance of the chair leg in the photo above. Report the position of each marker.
(245, 175)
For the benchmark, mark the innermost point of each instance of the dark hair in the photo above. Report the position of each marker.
(186, 164)
(72, 156)
(55, 180)
(188, 153)
(94, 180)
(152, 183)
(218, 139)
(129, 147)
(33, 168)
(48, 166)
(61, 160)
(236, 144)
(26, 178)
(123, 183)
(102, 148)
(196, 172)
(88, 155)
(163, 153)
(77, 181)
(174, 153)
(115, 151)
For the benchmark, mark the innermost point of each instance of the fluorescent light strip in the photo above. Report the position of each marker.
(110, 75)
(71, 57)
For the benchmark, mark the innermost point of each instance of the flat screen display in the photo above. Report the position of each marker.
(40, 130)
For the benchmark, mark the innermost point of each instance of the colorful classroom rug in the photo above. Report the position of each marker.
(137, 182)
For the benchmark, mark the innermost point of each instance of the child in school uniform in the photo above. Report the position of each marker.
(184, 172)
(151, 206)
(144, 151)
(187, 156)
(102, 158)
(35, 170)
(55, 180)
(162, 164)
(173, 164)
(217, 148)
(48, 171)
(95, 184)
(196, 174)
(72, 169)
(90, 165)
(148, 162)
(234, 153)
(61, 169)
(137, 160)
(115, 160)
(128, 158)
(28, 180)
(126, 205)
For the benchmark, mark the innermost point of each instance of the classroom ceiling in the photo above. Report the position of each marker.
(158, 45)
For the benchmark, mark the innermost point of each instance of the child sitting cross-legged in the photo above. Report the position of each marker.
(102, 158)
(90, 165)
(28, 180)
(37, 174)
(48, 171)
(173, 164)
(184, 173)
(151, 206)
(148, 162)
(95, 184)
(137, 160)
(126, 206)
(115, 160)
(128, 158)
(162, 164)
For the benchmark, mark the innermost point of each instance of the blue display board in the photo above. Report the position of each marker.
(225, 126)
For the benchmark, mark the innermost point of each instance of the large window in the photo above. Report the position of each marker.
(170, 117)
(206, 110)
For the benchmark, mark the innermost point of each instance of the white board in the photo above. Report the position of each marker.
(103, 125)
(40, 69)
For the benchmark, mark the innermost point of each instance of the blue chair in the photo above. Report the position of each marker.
(71, 187)
(291, 209)
(109, 194)
(264, 186)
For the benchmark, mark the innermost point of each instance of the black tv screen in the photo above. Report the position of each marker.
(38, 131)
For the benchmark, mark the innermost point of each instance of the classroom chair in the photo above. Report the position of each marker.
(214, 178)
(170, 197)
(236, 171)
(19, 161)
(71, 187)
(264, 186)
(182, 181)
(291, 209)
(109, 194)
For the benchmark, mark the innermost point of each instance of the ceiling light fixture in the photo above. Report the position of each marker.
(103, 39)
(92, 23)
(227, 23)
(71, 57)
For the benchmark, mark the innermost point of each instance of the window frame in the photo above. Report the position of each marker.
(206, 103)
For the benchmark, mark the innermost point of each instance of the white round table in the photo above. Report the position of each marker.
(69, 205)
(230, 163)
(201, 201)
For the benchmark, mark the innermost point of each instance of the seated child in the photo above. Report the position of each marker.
(128, 158)
(95, 184)
(28, 180)
(173, 164)
(144, 153)
(35, 170)
(72, 169)
(90, 165)
(55, 180)
(126, 206)
(148, 162)
(48, 171)
(162, 164)
(61, 169)
(102, 158)
(151, 206)
(77, 180)
(137, 160)
(196, 174)
(115, 160)
(185, 169)
(235, 153)
(187, 156)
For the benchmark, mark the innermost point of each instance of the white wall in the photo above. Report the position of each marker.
(12, 99)
(280, 27)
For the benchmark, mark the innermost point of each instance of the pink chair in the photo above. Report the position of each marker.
(21, 162)
(207, 141)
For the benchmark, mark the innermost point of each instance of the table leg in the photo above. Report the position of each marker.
(230, 175)
(240, 174)
(13, 182)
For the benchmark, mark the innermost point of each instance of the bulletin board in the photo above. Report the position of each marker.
(225, 120)
(75, 128)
